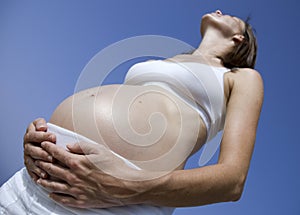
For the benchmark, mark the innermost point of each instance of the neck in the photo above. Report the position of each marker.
(211, 48)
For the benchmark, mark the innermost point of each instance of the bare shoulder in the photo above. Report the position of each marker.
(244, 80)
(248, 76)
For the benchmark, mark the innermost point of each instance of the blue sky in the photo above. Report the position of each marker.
(44, 45)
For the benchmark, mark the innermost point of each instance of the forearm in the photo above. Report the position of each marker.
(88, 186)
(183, 188)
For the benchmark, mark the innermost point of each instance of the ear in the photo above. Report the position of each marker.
(238, 38)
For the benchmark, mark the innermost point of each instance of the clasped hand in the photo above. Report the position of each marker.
(86, 176)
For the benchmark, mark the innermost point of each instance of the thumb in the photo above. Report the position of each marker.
(75, 148)
(90, 148)
(40, 124)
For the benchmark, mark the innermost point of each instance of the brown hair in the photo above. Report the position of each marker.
(244, 54)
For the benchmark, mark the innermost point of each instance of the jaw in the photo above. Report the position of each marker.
(221, 24)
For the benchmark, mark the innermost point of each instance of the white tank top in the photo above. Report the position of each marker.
(199, 85)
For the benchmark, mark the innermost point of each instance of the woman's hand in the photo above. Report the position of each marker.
(35, 134)
(92, 180)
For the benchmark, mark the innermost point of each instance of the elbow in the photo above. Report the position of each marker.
(236, 195)
(237, 190)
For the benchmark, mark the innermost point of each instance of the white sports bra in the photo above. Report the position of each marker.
(199, 85)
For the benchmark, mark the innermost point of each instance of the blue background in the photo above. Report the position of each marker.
(44, 46)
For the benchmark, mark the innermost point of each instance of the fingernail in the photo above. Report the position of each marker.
(49, 158)
(39, 181)
(41, 126)
(51, 137)
(43, 175)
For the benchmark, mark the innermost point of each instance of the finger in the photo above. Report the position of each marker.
(54, 186)
(40, 124)
(34, 171)
(34, 176)
(67, 200)
(55, 170)
(37, 153)
(38, 137)
(77, 202)
(30, 127)
(59, 153)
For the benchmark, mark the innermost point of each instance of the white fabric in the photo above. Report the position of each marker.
(65, 136)
(200, 86)
(22, 196)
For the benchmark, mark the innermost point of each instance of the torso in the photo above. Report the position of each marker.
(98, 113)
(101, 115)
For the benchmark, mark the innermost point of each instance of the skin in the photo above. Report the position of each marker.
(88, 186)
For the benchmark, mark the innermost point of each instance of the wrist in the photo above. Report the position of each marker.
(149, 191)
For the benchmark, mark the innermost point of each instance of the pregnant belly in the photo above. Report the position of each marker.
(145, 124)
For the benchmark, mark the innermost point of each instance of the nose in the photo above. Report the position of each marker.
(219, 12)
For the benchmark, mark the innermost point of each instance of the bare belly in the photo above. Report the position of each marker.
(140, 123)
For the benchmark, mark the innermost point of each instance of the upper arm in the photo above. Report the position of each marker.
(243, 110)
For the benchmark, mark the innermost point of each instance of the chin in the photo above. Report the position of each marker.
(207, 20)
(205, 16)
(210, 17)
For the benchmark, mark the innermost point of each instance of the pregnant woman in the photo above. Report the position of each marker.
(145, 130)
